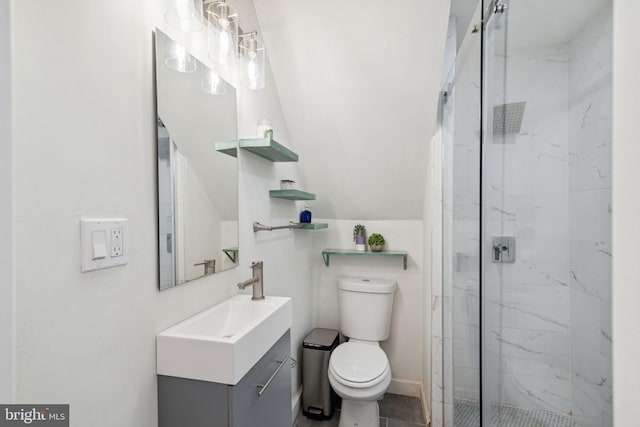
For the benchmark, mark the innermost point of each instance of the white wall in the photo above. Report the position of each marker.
(7, 214)
(84, 107)
(359, 84)
(404, 346)
(626, 212)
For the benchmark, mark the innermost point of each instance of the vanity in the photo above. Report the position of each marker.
(227, 366)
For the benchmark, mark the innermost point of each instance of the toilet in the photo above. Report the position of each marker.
(359, 370)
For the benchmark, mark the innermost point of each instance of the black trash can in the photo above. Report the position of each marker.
(318, 398)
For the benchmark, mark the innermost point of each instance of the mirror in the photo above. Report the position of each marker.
(197, 185)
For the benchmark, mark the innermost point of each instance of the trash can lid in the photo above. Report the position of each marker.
(320, 338)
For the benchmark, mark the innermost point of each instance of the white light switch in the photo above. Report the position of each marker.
(105, 243)
(99, 241)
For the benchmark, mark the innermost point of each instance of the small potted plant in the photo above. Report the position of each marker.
(359, 237)
(376, 241)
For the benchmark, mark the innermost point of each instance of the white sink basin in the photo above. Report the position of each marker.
(223, 342)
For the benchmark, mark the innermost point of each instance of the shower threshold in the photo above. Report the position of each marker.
(467, 414)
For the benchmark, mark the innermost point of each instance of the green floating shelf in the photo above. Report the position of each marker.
(326, 254)
(292, 195)
(229, 148)
(269, 149)
(231, 253)
(312, 226)
(266, 148)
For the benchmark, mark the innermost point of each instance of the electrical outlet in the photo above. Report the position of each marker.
(105, 243)
(116, 242)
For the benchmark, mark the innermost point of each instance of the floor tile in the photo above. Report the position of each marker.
(467, 414)
(303, 421)
(401, 408)
(395, 411)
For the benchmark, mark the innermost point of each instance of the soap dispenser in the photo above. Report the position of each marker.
(305, 215)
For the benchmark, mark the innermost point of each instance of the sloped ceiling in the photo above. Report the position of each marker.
(358, 82)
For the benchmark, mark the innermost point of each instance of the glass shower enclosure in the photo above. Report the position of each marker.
(526, 160)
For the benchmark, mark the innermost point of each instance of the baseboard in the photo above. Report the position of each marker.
(425, 407)
(405, 388)
(295, 404)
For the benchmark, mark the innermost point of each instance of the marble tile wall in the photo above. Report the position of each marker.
(590, 220)
(526, 312)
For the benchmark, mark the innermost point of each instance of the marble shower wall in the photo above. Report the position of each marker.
(590, 220)
(526, 312)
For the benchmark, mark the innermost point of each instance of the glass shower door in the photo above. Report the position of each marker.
(545, 241)
(461, 112)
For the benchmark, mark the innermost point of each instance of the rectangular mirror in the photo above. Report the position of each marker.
(197, 185)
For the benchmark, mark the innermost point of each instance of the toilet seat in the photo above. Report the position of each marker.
(359, 365)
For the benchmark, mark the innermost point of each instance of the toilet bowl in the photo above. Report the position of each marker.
(359, 369)
(360, 374)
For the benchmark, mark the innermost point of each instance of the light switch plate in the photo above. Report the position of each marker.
(108, 237)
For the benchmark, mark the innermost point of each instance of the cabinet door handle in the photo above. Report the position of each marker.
(263, 387)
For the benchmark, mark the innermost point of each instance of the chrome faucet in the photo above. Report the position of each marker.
(255, 281)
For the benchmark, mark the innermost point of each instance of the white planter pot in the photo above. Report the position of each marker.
(361, 247)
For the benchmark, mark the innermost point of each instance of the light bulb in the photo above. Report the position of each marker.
(253, 73)
(184, 9)
(223, 26)
(253, 63)
(184, 15)
(225, 42)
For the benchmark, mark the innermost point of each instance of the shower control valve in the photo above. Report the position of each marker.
(503, 249)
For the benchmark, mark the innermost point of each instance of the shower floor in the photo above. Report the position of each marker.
(467, 414)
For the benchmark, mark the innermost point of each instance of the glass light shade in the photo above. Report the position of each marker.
(179, 59)
(212, 83)
(185, 15)
(222, 20)
(252, 63)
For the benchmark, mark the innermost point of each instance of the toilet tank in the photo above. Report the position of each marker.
(365, 307)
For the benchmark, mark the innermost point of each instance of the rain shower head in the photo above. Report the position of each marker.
(507, 118)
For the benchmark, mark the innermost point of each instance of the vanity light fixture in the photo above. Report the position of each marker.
(252, 61)
(212, 83)
(178, 59)
(225, 39)
(222, 22)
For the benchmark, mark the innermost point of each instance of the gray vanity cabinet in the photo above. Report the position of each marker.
(191, 403)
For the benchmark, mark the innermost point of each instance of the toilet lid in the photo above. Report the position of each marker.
(358, 363)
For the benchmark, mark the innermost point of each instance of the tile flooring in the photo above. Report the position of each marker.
(467, 414)
(395, 411)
